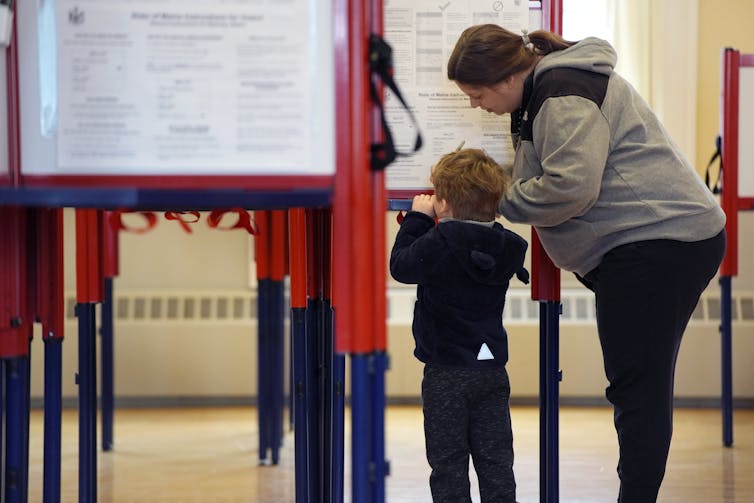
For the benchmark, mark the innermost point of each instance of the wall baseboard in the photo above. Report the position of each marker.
(156, 402)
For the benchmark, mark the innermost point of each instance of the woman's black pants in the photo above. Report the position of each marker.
(645, 294)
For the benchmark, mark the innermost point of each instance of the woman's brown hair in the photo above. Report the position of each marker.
(487, 54)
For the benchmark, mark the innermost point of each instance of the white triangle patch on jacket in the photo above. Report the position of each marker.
(485, 353)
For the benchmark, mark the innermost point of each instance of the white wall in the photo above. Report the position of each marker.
(215, 357)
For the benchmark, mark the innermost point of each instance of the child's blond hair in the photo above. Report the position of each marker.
(471, 182)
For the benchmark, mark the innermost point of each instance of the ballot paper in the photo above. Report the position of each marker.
(422, 34)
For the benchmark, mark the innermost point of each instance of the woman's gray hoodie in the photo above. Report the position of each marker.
(595, 168)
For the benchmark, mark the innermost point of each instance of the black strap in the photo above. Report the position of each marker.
(381, 64)
(717, 155)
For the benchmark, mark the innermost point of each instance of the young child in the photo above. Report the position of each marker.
(462, 267)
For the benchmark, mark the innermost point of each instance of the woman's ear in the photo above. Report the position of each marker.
(505, 85)
(510, 82)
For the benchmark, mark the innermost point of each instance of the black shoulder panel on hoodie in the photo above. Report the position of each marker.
(563, 82)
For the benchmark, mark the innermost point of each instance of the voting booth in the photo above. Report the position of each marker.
(425, 34)
(736, 194)
(185, 105)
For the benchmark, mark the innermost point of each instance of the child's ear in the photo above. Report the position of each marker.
(443, 209)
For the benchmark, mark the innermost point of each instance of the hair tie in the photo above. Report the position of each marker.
(525, 38)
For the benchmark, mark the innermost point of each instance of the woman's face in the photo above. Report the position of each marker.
(501, 98)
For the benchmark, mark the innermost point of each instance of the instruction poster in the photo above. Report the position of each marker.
(195, 87)
(422, 34)
(745, 147)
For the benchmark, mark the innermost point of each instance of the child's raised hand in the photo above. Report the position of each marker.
(424, 203)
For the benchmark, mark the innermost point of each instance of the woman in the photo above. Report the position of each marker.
(615, 201)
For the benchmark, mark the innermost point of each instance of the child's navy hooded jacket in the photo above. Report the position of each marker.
(462, 270)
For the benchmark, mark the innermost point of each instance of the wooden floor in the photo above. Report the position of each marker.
(210, 455)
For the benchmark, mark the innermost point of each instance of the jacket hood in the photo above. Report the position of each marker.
(484, 252)
(590, 54)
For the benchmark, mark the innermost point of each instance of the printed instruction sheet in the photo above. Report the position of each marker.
(422, 34)
(195, 87)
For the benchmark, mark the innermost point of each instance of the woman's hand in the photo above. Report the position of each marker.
(424, 203)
